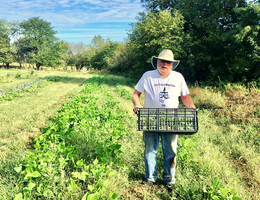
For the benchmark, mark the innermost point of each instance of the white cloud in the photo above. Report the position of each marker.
(69, 14)
(95, 10)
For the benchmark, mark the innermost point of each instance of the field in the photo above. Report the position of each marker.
(72, 135)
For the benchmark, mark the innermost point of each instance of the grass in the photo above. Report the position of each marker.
(233, 134)
(23, 117)
(220, 161)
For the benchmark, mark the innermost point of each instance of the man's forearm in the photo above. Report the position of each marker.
(136, 100)
(187, 101)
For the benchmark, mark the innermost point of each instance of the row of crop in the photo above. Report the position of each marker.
(29, 86)
(78, 153)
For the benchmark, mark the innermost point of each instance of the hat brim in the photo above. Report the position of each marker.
(154, 63)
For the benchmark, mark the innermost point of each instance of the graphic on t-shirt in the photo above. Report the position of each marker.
(163, 96)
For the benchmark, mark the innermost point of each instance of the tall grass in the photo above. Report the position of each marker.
(233, 133)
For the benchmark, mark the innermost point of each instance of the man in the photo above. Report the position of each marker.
(162, 88)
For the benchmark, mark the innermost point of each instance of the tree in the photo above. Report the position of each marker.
(77, 54)
(58, 54)
(220, 33)
(246, 62)
(97, 43)
(6, 48)
(38, 38)
(154, 32)
(104, 56)
(65, 53)
(21, 51)
(122, 60)
(100, 53)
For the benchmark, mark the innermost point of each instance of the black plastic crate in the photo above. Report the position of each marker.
(177, 120)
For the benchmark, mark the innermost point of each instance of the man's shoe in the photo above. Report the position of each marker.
(147, 183)
(170, 187)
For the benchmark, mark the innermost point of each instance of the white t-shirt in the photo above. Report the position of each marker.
(162, 92)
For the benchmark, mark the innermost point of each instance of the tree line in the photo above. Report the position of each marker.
(215, 40)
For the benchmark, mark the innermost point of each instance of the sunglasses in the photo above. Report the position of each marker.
(165, 61)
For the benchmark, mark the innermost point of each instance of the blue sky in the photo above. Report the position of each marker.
(77, 20)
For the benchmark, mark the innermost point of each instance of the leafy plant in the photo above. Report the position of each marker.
(18, 75)
(56, 150)
(218, 191)
(30, 86)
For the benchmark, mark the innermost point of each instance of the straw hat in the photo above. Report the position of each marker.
(166, 54)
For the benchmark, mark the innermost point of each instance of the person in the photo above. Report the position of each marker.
(162, 88)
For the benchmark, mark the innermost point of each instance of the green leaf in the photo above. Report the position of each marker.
(224, 192)
(86, 168)
(80, 175)
(37, 146)
(80, 163)
(90, 187)
(39, 188)
(31, 158)
(47, 193)
(31, 185)
(112, 174)
(18, 196)
(72, 185)
(106, 183)
(41, 137)
(95, 162)
(18, 169)
(113, 196)
(232, 191)
(85, 196)
(35, 174)
(44, 129)
(92, 197)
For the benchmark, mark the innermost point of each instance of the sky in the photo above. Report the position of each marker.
(77, 20)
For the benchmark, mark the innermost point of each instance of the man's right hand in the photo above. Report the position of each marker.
(135, 108)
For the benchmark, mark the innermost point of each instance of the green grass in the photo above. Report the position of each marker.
(90, 147)
(22, 117)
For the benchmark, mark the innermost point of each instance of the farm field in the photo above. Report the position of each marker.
(73, 136)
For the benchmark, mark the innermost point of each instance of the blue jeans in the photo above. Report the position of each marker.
(169, 148)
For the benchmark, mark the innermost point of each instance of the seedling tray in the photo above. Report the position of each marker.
(177, 120)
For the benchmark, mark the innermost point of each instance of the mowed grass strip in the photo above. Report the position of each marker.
(23, 117)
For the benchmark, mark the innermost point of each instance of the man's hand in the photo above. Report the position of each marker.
(135, 108)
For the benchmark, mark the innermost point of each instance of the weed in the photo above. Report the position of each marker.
(218, 191)
(18, 75)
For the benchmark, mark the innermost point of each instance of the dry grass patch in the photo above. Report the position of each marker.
(207, 98)
(243, 106)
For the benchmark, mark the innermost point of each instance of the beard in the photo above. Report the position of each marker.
(163, 71)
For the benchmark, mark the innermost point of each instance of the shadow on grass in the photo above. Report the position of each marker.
(110, 80)
(65, 79)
